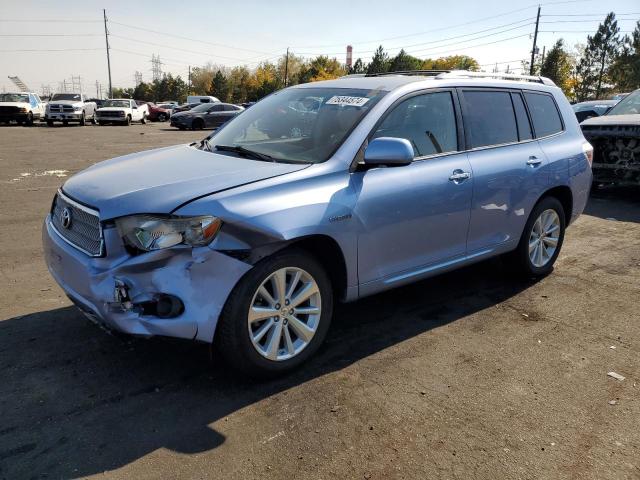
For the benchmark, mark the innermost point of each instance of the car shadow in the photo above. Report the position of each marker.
(615, 203)
(77, 401)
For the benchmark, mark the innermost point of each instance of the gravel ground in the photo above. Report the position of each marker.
(467, 375)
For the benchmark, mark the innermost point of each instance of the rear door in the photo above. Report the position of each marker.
(510, 170)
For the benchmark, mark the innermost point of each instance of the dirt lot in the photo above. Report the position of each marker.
(467, 375)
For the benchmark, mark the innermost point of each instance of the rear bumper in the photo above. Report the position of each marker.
(201, 278)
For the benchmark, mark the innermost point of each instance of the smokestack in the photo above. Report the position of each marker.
(349, 56)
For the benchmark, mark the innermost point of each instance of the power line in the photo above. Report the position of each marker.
(50, 35)
(51, 50)
(165, 34)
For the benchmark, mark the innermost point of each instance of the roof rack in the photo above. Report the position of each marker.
(503, 76)
(444, 74)
(409, 72)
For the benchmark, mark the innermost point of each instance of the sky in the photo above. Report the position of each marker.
(46, 42)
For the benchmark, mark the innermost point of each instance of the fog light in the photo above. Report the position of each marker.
(168, 306)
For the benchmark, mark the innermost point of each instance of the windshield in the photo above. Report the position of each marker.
(298, 124)
(66, 96)
(628, 105)
(14, 97)
(117, 103)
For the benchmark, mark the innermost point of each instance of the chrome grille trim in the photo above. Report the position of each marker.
(85, 233)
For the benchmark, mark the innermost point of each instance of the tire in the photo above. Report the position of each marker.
(233, 336)
(197, 124)
(521, 259)
(102, 124)
(65, 123)
(182, 128)
(143, 120)
(93, 119)
(29, 121)
(49, 123)
(127, 122)
(162, 117)
(82, 121)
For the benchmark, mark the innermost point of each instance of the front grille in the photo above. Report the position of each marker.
(55, 108)
(110, 113)
(82, 230)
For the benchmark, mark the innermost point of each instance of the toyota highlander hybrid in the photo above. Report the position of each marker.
(323, 192)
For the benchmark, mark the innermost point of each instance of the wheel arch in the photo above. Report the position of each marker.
(565, 196)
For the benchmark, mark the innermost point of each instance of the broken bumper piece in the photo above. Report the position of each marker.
(176, 292)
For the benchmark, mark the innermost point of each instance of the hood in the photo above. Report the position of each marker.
(629, 119)
(113, 109)
(159, 181)
(15, 104)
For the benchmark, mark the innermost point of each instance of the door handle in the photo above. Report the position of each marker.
(459, 176)
(534, 161)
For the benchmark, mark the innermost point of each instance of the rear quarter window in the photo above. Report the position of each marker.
(544, 114)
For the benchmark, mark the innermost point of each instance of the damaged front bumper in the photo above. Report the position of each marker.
(616, 153)
(122, 291)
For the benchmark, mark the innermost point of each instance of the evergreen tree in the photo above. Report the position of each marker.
(557, 66)
(601, 52)
(625, 71)
(379, 62)
(358, 67)
(403, 61)
(220, 87)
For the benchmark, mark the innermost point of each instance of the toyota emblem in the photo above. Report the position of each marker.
(66, 218)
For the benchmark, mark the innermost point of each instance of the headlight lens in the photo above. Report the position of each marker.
(77, 109)
(148, 232)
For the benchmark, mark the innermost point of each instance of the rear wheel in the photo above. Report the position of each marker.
(541, 240)
(162, 117)
(29, 121)
(82, 121)
(277, 316)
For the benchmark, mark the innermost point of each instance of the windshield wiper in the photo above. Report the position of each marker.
(245, 152)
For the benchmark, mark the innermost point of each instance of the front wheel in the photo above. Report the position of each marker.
(82, 121)
(277, 316)
(127, 121)
(541, 240)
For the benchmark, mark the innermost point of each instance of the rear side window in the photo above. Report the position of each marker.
(524, 126)
(428, 121)
(544, 113)
(489, 118)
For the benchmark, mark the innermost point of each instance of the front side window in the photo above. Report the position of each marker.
(490, 118)
(300, 124)
(117, 103)
(544, 113)
(428, 121)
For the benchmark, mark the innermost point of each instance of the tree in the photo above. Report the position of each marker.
(358, 67)
(557, 66)
(320, 68)
(293, 67)
(625, 71)
(452, 62)
(379, 62)
(220, 87)
(403, 61)
(599, 55)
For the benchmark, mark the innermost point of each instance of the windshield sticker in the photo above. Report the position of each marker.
(344, 100)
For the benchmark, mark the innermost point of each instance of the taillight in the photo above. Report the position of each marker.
(587, 149)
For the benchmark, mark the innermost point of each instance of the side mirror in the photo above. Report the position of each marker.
(135, 107)
(389, 151)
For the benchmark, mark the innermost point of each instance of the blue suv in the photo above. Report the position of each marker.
(326, 191)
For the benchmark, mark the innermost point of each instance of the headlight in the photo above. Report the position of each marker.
(77, 109)
(147, 232)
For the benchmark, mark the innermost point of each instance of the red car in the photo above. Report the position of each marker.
(158, 114)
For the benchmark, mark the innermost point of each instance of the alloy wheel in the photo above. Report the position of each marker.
(544, 238)
(284, 314)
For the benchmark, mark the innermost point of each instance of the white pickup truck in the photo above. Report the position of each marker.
(122, 110)
(22, 107)
(70, 107)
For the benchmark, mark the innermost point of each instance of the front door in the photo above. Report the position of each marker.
(415, 216)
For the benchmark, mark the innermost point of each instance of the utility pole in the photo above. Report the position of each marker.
(544, 49)
(106, 38)
(189, 82)
(286, 69)
(535, 40)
